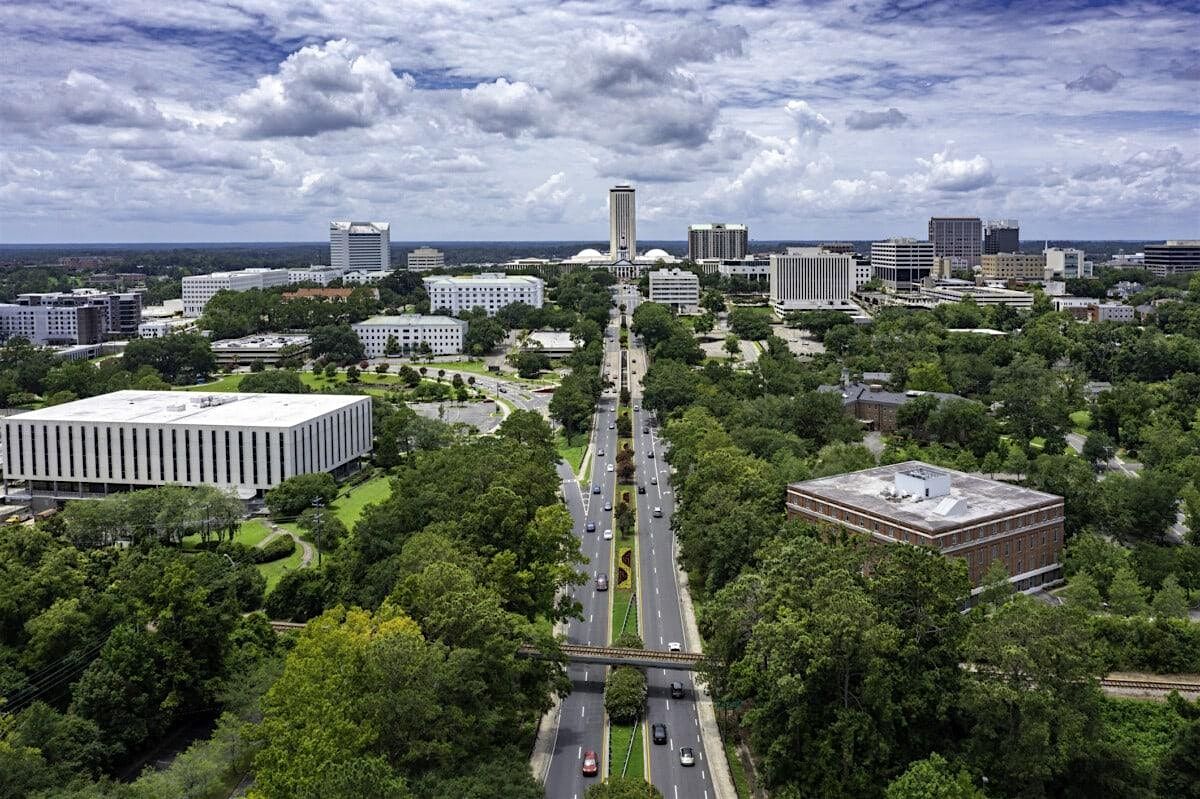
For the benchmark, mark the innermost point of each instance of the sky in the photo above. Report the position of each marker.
(261, 120)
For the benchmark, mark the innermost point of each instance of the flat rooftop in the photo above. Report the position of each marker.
(411, 319)
(193, 408)
(260, 343)
(869, 491)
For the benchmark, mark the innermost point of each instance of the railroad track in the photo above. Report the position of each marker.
(1148, 683)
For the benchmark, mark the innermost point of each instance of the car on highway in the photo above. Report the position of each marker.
(591, 766)
(610, 467)
(600, 453)
(591, 527)
(595, 488)
(637, 408)
(687, 756)
(602, 581)
(650, 454)
(654, 480)
(607, 534)
(659, 731)
(657, 512)
(646, 429)
(641, 489)
(608, 506)
(612, 425)
(673, 646)
(677, 690)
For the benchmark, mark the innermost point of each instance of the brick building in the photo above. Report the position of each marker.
(874, 406)
(957, 514)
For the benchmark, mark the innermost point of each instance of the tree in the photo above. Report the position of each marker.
(997, 588)
(712, 301)
(623, 788)
(529, 429)
(273, 381)
(392, 347)
(323, 526)
(1098, 449)
(1171, 600)
(1126, 596)
(841, 458)
(182, 358)
(335, 343)
(484, 333)
(933, 778)
(1097, 557)
(991, 464)
(572, 405)
(296, 494)
(668, 385)
(1134, 507)
(300, 594)
(625, 694)
(654, 323)
(749, 323)
(531, 363)
(1082, 591)
(704, 323)
(731, 346)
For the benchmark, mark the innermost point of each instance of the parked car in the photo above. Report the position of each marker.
(602, 581)
(591, 766)
(687, 756)
(659, 731)
(677, 690)
(657, 512)
(590, 527)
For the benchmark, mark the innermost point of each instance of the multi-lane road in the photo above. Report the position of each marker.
(581, 718)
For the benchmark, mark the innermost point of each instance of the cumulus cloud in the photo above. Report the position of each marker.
(810, 125)
(873, 120)
(322, 88)
(85, 99)
(548, 202)
(508, 108)
(1100, 78)
(944, 172)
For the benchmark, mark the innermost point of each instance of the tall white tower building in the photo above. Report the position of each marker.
(360, 246)
(622, 222)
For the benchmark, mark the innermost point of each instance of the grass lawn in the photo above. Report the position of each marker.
(276, 569)
(226, 383)
(477, 367)
(741, 783)
(571, 450)
(349, 506)
(620, 602)
(1082, 421)
(249, 534)
(620, 736)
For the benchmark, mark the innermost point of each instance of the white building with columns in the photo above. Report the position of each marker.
(811, 279)
(128, 440)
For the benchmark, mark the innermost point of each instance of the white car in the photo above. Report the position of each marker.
(687, 756)
(674, 646)
(608, 535)
(610, 467)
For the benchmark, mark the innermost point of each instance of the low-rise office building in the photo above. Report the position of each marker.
(754, 268)
(902, 263)
(1025, 267)
(874, 406)
(954, 513)
(423, 259)
(407, 334)
(551, 343)
(316, 274)
(490, 291)
(1066, 263)
(199, 289)
(678, 289)
(811, 279)
(139, 439)
(1173, 257)
(82, 316)
(267, 348)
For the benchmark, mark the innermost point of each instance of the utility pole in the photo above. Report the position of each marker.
(319, 521)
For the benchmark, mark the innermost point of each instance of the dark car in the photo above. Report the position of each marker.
(645, 428)
(602, 582)
(595, 488)
(650, 454)
(641, 489)
(659, 731)
(591, 527)
(677, 690)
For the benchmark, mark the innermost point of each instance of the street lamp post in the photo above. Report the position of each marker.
(318, 519)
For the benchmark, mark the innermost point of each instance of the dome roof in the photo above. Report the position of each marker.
(657, 253)
(588, 253)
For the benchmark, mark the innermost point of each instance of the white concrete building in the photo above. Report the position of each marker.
(1066, 263)
(157, 328)
(552, 343)
(199, 289)
(360, 278)
(677, 289)
(752, 268)
(423, 259)
(363, 246)
(316, 274)
(809, 279)
(138, 439)
(717, 240)
(267, 348)
(490, 291)
(902, 263)
(444, 334)
(622, 223)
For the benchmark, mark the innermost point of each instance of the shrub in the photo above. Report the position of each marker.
(625, 694)
(276, 549)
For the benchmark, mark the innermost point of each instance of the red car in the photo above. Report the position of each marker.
(590, 767)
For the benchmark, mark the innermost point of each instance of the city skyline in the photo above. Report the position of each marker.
(200, 123)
